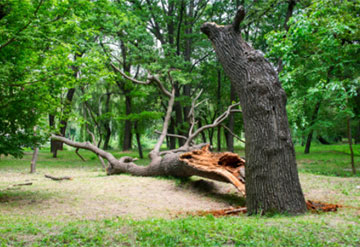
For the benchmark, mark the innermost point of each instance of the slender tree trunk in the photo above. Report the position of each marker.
(231, 125)
(350, 145)
(272, 182)
(55, 146)
(203, 136)
(179, 116)
(107, 122)
(313, 120)
(128, 125)
(172, 131)
(107, 136)
(138, 140)
(188, 50)
(52, 142)
(219, 109)
(219, 138)
(34, 160)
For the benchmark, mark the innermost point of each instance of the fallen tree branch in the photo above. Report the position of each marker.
(151, 79)
(58, 178)
(16, 185)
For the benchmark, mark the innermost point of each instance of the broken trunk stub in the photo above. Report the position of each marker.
(228, 165)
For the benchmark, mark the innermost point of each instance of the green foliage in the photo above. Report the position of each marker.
(320, 54)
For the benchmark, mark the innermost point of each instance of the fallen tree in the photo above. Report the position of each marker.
(186, 161)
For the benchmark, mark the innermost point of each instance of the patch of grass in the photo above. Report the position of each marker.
(329, 160)
(190, 231)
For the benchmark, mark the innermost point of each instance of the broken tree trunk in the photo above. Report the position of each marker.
(272, 182)
(184, 163)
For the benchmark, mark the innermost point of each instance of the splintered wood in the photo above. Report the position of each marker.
(221, 212)
(314, 207)
(228, 165)
(321, 206)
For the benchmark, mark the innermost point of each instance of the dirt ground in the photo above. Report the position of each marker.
(92, 195)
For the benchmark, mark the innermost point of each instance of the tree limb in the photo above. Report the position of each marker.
(166, 122)
(78, 154)
(151, 79)
(232, 133)
(172, 135)
(239, 17)
(216, 122)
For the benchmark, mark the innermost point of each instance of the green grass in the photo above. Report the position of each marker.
(330, 165)
(191, 231)
(329, 160)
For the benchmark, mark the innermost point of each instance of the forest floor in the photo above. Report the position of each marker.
(93, 209)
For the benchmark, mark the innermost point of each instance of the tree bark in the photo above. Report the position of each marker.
(310, 135)
(34, 159)
(224, 167)
(272, 182)
(350, 145)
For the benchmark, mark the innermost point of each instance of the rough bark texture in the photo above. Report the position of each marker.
(272, 182)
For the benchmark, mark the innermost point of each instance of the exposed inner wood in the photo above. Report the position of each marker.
(228, 165)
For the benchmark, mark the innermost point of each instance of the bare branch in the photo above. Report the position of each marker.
(191, 114)
(94, 143)
(87, 146)
(232, 133)
(166, 123)
(151, 79)
(216, 122)
(240, 15)
(172, 135)
(78, 154)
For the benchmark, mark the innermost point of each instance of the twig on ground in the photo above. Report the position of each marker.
(58, 178)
